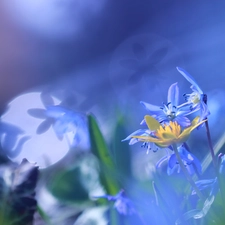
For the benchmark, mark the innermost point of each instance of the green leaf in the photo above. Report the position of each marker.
(74, 181)
(100, 150)
(121, 151)
(68, 186)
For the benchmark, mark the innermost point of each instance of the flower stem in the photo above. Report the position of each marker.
(210, 144)
(189, 178)
(209, 137)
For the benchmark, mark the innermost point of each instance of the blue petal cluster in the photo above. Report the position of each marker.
(172, 110)
(197, 99)
(121, 203)
(191, 162)
(62, 120)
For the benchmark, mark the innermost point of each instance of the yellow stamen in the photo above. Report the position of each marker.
(169, 133)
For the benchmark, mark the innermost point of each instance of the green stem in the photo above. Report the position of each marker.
(189, 178)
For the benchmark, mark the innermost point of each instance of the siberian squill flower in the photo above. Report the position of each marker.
(63, 121)
(190, 161)
(167, 134)
(170, 111)
(121, 203)
(195, 100)
(12, 139)
(212, 186)
(143, 133)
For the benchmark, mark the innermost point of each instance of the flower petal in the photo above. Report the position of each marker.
(183, 121)
(158, 142)
(195, 126)
(188, 77)
(137, 132)
(203, 184)
(151, 108)
(172, 164)
(204, 111)
(185, 155)
(195, 121)
(161, 161)
(152, 123)
(38, 113)
(147, 139)
(173, 95)
(207, 204)
(186, 132)
(44, 126)
(141, 132)
(189, 158)
(161, 118)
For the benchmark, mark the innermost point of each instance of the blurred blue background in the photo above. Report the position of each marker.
(82, 41)
(104, 57)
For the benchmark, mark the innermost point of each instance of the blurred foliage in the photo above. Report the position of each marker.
(18, 203)
(120, 151)
(100, 150)
(75, 181)
(68, 186)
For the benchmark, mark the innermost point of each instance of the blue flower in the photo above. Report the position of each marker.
(191, 162)
(195, 100)
(212, 186)
(63, 121)
(121, 203)
(170, 111)
(12, 139)
(143, 133)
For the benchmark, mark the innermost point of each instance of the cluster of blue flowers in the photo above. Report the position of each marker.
(167, 125)
(62, 120)
(175, 112)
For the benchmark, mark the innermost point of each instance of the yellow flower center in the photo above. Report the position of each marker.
(167, 134)
(170, 131)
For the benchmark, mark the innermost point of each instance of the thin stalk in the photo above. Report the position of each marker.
(189, 178)
(209, 137)
(221, 184)
(155, 193)
(210, 144)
